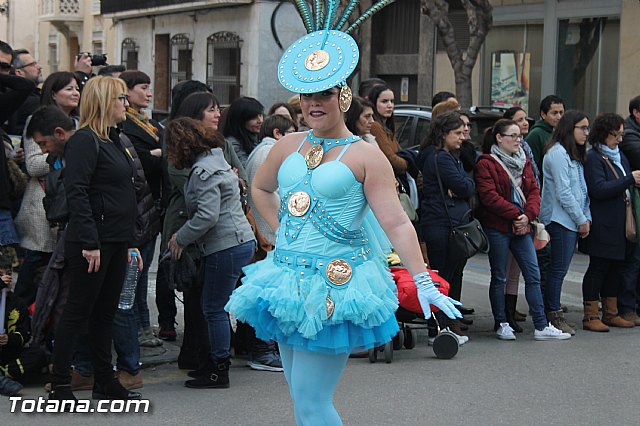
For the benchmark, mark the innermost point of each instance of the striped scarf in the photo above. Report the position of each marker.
(141, 119)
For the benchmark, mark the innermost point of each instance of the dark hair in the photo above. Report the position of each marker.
(239, 112)
(6, 262)
(563, 134)
(374, 94)
(183, 89)
(17, 62)
(196, 104)
(5, 48)
(46, 118)
(112, 69)
(352, 116)
(634, 104)
(276, 121)
(366, 85)
(603, 125)
(292, 111)
(440, 127)
(54, 83)
(441, 97)
(134, 77)
(545, 104)
(511, 112)
(490, 133)
(187, 139)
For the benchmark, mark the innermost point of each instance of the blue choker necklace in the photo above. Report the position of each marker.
(320, 145)
(328, 143)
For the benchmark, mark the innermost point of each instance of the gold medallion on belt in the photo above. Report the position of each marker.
(339, 271)
(299, 203)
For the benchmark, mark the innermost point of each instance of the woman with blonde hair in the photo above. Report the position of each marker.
(101, 199)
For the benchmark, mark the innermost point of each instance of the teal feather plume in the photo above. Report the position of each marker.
(369, 13)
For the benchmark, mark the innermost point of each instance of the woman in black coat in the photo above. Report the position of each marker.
(99, 184)
(609, 178)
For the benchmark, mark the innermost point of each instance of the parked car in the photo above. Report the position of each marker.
(412, 123)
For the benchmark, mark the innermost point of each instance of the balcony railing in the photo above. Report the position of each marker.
(60, 10)
(140, 7)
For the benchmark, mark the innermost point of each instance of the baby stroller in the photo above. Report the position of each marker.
(411, 318)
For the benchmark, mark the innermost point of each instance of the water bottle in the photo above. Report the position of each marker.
(128, 293)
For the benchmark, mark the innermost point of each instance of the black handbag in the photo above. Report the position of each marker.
(55, 198)
(464, 240)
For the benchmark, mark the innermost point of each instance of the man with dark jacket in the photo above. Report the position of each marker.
(551, 111)
(629, 286)
(27, 67)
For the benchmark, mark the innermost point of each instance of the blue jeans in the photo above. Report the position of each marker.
(125, 341)
(82, 356)
(27, 285)
(563, 245)
(221, 272)
(141, 306)
(521, 246)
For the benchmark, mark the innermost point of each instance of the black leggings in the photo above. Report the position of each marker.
(601, 278)
(90, 308)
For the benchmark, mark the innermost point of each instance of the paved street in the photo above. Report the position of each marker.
(591, 379)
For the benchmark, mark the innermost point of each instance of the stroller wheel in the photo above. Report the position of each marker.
(398, 340)
(373, 355)
(388, 352)
(410, 337)
(445, 345)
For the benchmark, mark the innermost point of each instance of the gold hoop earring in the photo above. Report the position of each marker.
(344, 99)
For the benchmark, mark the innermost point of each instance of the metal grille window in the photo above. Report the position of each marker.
(181, 58)
(53, 57)
(129, 54)
(223, 65)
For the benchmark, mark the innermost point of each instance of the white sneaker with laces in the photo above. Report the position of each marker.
(550, 333)
(505, 332)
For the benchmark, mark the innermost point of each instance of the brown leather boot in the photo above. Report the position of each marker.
(632, 317)
(454, 325)
(556, 318)
(591, 320)
(610, 314)
(130, 381)
(79, 382)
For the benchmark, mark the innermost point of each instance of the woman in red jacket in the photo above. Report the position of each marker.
(510, 200)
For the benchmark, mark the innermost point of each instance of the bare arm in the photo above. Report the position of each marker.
(380, 190)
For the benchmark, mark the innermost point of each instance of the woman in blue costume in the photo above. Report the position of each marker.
(325, 289)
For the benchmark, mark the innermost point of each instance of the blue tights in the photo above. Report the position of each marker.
(312, 379)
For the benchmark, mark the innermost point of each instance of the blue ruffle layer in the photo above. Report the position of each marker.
(285, 306)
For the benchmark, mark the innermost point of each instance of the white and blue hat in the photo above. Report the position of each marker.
(326, 56)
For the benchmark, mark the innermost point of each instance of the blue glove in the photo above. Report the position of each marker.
(428, 294)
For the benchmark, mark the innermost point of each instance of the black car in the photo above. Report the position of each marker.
(412, 123)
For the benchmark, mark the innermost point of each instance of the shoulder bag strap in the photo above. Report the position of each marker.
(512, 179)
(444, 201)
(615, 173)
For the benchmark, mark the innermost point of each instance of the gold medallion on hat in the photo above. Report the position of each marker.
(346, 96)
(331, 306)
(299, 203)
(339, 271)
(314, 156)
(316, 60)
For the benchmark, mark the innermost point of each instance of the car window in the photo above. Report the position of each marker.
(403, 130)
(421, 132)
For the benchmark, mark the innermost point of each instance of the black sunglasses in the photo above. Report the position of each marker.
(5, 66)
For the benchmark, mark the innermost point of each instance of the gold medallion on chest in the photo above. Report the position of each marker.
(313, 157)
(339, 271)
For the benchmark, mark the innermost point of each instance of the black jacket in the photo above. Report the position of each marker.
(148, 224)
(18, 328)
(606, 194)
(19, 117)
(144, 143)
(13, 92)
(100, 190)
(631, 143)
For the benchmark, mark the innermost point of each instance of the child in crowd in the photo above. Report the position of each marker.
(16, 361)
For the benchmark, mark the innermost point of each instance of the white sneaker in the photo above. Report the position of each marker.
(461, 339)
(550, 333)
(505, 332)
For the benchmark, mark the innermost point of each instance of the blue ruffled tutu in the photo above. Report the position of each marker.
(291, 310)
